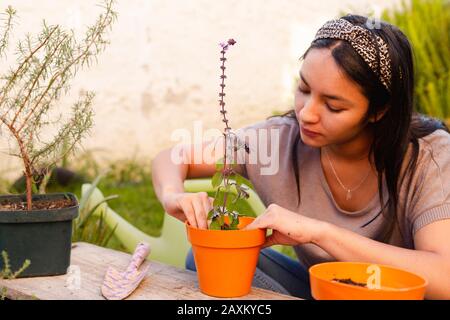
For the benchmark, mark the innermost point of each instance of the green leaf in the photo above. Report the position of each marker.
(34, 188)
(231, 201)
(235, 223)
(241, 180)
(210, 214)
(215, 225)
(218, 201)
(217, 179)
(85, 197)
(232, 176)
(109, 236)
(219, 164)
(82, 219)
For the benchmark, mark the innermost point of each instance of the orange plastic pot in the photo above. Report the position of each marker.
(226, 260)
(395, 284)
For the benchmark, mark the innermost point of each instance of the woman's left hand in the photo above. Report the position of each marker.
(288, 228)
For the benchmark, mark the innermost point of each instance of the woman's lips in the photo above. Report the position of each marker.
(309, 133)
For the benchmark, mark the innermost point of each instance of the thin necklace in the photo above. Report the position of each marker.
(349, 191)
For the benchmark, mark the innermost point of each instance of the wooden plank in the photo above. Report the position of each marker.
(88, 267)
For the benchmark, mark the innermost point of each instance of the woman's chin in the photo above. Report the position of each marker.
(312, 142)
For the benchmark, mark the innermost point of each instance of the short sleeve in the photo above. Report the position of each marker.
(431, 196)
(263, 141)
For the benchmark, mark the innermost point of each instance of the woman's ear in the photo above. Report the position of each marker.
(379, 115)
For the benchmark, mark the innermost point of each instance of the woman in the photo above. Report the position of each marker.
(361, 177)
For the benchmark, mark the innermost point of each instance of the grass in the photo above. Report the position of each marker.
(136, 202)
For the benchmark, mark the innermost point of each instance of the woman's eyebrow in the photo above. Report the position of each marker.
(328, 96)
(333, 97)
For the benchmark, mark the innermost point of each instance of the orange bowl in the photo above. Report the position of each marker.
(380, 282)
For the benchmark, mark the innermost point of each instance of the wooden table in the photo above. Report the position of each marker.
(88, 267)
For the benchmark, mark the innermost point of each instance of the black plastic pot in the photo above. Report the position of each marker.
(41, 236)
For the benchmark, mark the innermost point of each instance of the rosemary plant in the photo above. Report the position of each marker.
(30, 90)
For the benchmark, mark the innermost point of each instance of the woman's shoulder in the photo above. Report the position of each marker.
(429, 196)
(433, 155)
(435, 144)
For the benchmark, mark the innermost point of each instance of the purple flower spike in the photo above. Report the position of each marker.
(224, 45)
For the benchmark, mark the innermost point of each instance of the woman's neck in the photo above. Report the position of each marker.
(354, 150)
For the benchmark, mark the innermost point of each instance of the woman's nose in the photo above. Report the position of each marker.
(310, 112)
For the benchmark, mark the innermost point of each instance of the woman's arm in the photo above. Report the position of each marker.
(432, 262)
(171, 167)
(431, 259)
(168, 178)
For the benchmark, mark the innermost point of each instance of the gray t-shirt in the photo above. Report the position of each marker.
(427, 200)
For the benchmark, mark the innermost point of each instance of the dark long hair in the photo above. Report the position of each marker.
(399, 126)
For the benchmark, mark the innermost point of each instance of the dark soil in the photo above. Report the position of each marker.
(350, 281)
(7, 205)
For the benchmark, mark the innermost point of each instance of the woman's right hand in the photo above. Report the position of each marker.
(193, 207)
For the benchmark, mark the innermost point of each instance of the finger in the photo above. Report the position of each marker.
(270, 241)
(256, 224)
(200, 214)
(207, 204)
(189, 213)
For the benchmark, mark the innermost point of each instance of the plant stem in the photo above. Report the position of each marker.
(227, 128)
(26, 160)
(28, 172)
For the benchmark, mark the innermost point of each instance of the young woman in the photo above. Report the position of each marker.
(361, 176)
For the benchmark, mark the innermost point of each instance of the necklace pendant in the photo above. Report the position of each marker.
(349, 195)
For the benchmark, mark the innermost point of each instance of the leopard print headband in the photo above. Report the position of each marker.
(372, 48)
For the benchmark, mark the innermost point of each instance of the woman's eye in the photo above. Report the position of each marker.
(332, 109)
(302, 90)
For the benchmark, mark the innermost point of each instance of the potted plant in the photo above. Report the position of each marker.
(225, 255)
(38, 227)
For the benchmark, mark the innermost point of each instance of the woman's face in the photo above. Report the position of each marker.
(330, 107)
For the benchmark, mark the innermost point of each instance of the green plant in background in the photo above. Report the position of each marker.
(7, 273)
(427, 24)
(90, 228)
(30, 90)
(226, 178)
